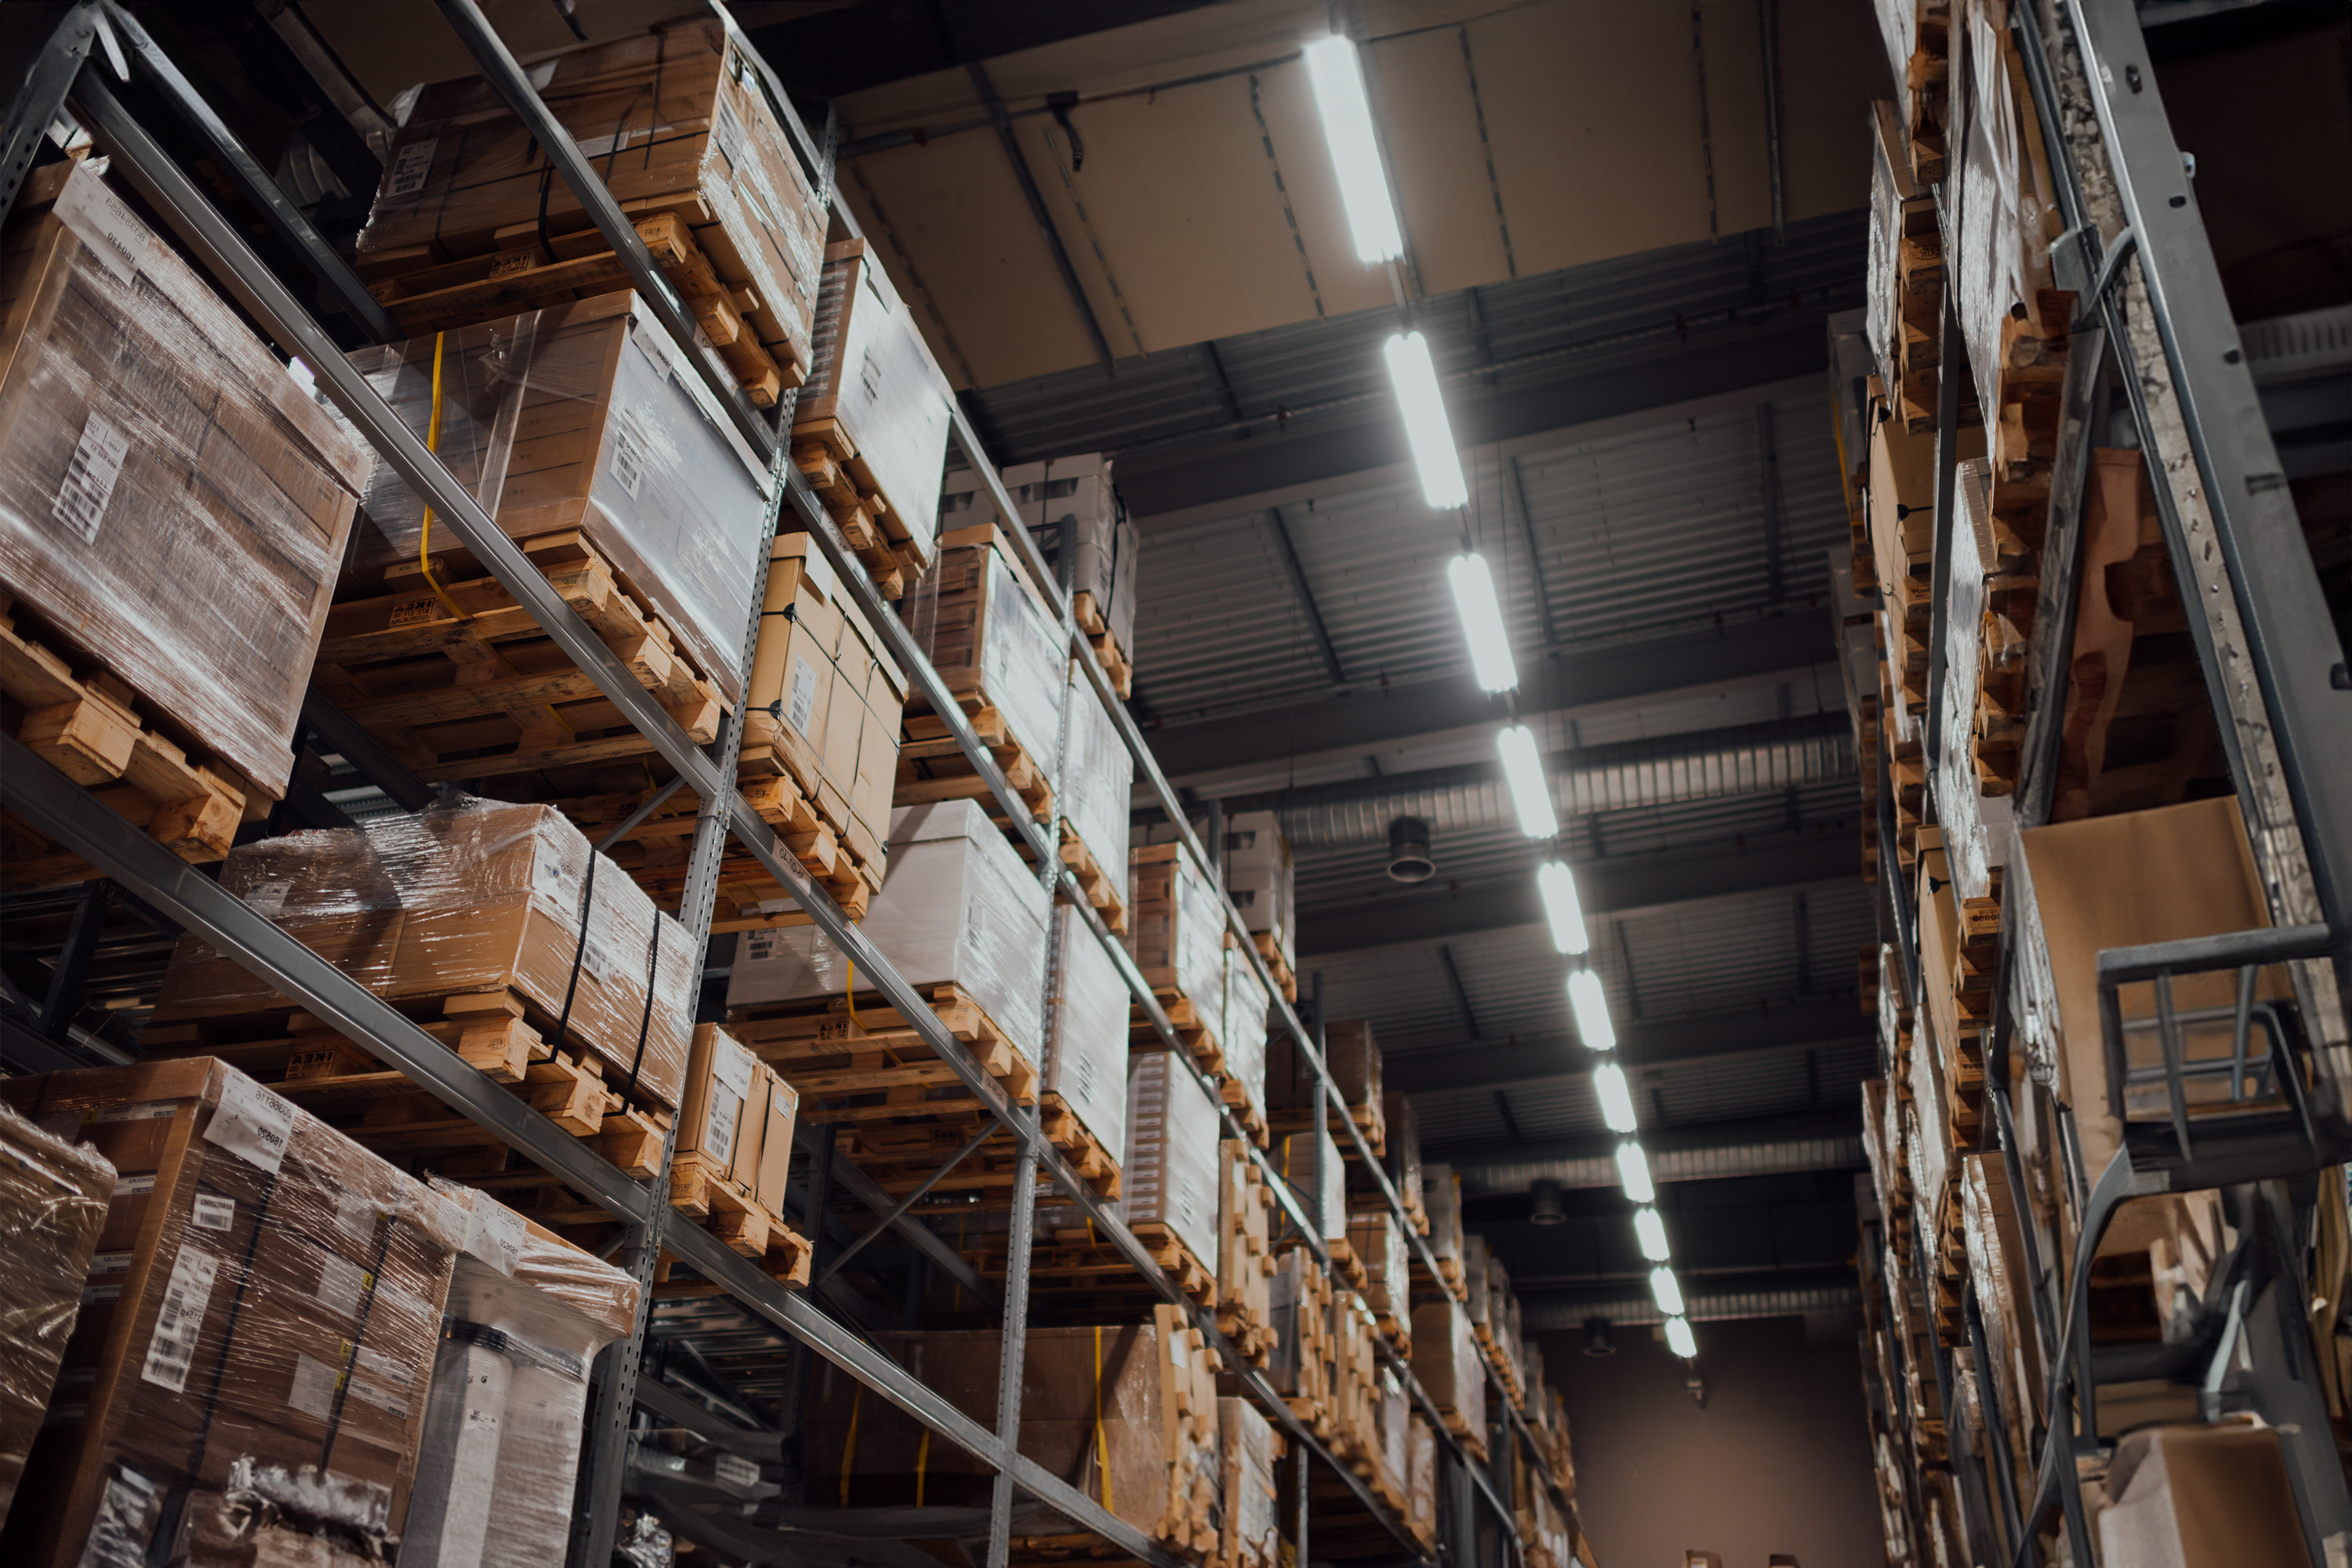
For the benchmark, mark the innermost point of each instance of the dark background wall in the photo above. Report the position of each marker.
(1777, 1459)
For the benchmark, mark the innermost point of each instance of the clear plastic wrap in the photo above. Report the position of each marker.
(1242, 1037)
(1354, 1062)
(53, 1200)
(1446, 1364)
(1176, 925)
(958, 909)
(1097, 779)
(1169, 1175)
(468, 898)
(875, 383)
(1881, 313)
(260, 1320)
(1294, 1159)
(1252, 1537)
(1108, 548)
(1975, 824)
(675, 119)
(1420, 1482)
(1402, 1160)
(1262, 880)
(1379, 1246)
(172, 504)
(1440, 1192)
(499, 1452)
(1994, 1243)
(2003, 222)
(584, 416)
(1085, 1030)
(990, 637)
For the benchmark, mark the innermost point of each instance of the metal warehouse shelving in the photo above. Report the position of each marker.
(76, 53)
(2153, 308)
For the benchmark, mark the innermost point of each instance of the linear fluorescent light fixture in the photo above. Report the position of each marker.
(1426, 429)
(1591, 1009)
(1650, 1232)
(1666, 1291)
(1616, 1099)
(1338, 78)
(1523, 772)
(1482, 623)
(1679, 1339)
(1562, 908)
(1633, 1173)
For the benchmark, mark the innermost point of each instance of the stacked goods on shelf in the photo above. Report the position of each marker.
(472, 213)
(2202, 1497)
(1262, 882)
(1402, 1160)
(1890, 1437)
(1421, 1485)
(1447, 1364)
(1996, 1263)
(1177, 933)
(820, 757)
(527, 1313)
(502, 934)
(1106, 550)
(1494, 1315)
(172, 509)
(598, 452)
(870, 429)
(1085, 1050)
(1904, 306)
(1174, 1175)
(997, 646)
(1377, 1242)
(1354, 1062)
(965, 924)
(53, 1203)
(1552, 1437)
(1242, 1042)
(1441, 1190)
(734, 1150)
(257, 1345)
(1097, 780)
(1917, 35)
(1249, 1448)
(1246, 1217)
(1294, 1161)
(1128, 1414)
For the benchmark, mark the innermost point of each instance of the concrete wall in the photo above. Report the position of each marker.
(1777, 1460)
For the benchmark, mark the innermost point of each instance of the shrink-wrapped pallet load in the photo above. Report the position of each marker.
(257, 1341)
(1242, 1040)
(1085, 1032)
(1127, 1414)
(1326, 1201)
(1176, 930)
(998, 649)
(172, 510)
(1077, 493)
(1441, 1190)
(502, 914)
(501, 1451)
(1402, 1160)
(1171, 1173)
(674, 121)
(53, 1202)
(1251, 1536)
(1262, 883)
(1299, 1297)
(1446, 1364)
(735, 1128)
(1420, 1483)
(1244, 1261)
(1380, 1247)
(1097, 783)
(580, 417)
(1354, 1063)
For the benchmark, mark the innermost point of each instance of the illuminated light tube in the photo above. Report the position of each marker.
(1426, 428)
(1530, 791)
(1591, 1010)
(1679, 1339)
(1562, 908)
(1482, 623)
(1650, 1232)
(1616, 1099)
(1633, 1173)
(1666, 1291)
(1337, 76)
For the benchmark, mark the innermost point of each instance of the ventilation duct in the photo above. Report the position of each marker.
(1409, 858)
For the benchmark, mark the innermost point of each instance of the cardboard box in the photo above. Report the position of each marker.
(1402, 1160)
(1354, 1061)
(1246, 1227)
(1440, 1192)
(1248, 1447)
(579, 417)
(1170, 1176)
(54, 1195)
(1261, 878)
(1176, 926)
(1108, 547)
(874, 380)
(736, 1118)
(272, 1302)
(1086, 1031)
(1241, 1032)
(2202, 1497)
(1097, 780)
(675, 120)
(991, 635)
(172, 505)
(1293, 1158)
(958, 909)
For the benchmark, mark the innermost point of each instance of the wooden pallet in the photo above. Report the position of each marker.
(932, 766)
(1252, 1119)
(867, 1064)
(1473, 1441)
(901, 1156)
(463, 684)
(1285, 978)
(443, 296)
(1199, 1042)
(853, 499)
(1371, 1119)
(90, 727)
(724, 1208)
(1101, 889)
(1073, 1261)
(1117, 662)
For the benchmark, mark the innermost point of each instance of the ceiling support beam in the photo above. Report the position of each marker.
(1641, 1042)
(1460, 996)
(1045, 229)
(1516, 486)
(1289, 549)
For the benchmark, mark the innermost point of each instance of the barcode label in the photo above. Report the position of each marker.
(171, 1349)
(268, 897)
(251, 1124)
(411, 167)
(729, 133)
(104, 226)
(375, 1363)
(213, 1212)
(145, 1111)
(383, 1399)
(134, 1186)
(804, 703)
(630, 454)
(315, 1383)
(597, 959)
(90, 474)
(110, 1262)
(726, 1111)
(496, 1235)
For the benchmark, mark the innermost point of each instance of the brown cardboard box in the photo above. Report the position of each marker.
(172, 504)
(2200, 1497)
(988, 631)
(277, 1306)
(1447, 1362)
(675, 120)
(1248, 1448)
(54, 1195)
(736, 1118)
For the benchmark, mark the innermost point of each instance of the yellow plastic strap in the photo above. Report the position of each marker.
(1102, 1445)
(433, 444)
(849, 994)
(922, 1462)
(849, 1443)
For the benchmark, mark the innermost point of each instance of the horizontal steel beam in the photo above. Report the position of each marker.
(1604, 887)
(1368, 720)
(1640, 1042)
(1723, 1151)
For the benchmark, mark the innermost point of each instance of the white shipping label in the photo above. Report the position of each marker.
(110, 1263)
(802, 706)
(496, 1235)
(383, 1368)
(145, 1111)
(736, 1472)
(341, 1284)
(251, 1124)
(729, 133)
(134, 1186)
(268, 897)
(597, 958)
(409, 169)
(760, 946)
(99, 219)
(315, 1385)
(725, 1112)
(383, 1399)
(171, 1349)
(631, 454)
(213, 1212)
(96, 464)
(731, 1067)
